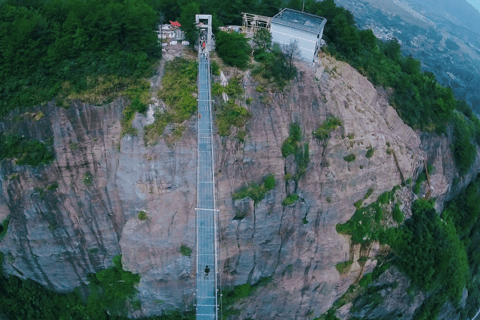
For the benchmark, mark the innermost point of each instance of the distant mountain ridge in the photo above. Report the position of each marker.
(462, 11)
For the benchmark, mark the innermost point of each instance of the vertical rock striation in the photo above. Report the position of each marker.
(58, 237)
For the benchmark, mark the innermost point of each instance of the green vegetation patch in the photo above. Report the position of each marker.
(230, 114)
(88, 179)
(3, 230)
(328, 126)
(366, 280)
(430, 252)
(464, 210)
(290, 199)
(241, 135)
(103, 89)
(349, 158)
(53, 186)
(362, 290)
(368, 194)
(142, 215)
(343, 267)
(463, 213)
(364, 225)
(54, 50)
(129, 114)
(358, 204)
(178, 86)
(185, 250)
(215, 67)
(293, 145)
(113, 287)
(440, 257)
(111, 294)
(397, 214)
(422, 177)
(233, 48)
(464, 150)
(233, 87)
(217, 89)
(175, 135)
(233, 294)
(255, 191)
(290, 145)
(367, 223)
(275, 67)
(387, 196)
(26, 151)
(370, 153)
(329, 315)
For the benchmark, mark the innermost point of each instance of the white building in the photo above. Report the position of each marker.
(171, 31)
(307, 29)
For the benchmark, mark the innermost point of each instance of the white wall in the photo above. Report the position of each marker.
(306, 41)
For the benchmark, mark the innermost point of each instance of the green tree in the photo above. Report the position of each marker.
(233, 48)
(368, 40)
(276, 66)
(392, 50)
(187, 20)
(295, 4)
(263, 40)
(430, 252)
(269, 8)
(411, 65)
(345, 36)
(464, 150)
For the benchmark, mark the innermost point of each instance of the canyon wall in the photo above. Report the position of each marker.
(57, 237)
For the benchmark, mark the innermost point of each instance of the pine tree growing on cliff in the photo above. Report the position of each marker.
(187, 20)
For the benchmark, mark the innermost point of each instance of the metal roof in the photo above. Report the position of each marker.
(299, 20)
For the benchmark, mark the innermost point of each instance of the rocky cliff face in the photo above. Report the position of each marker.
(58, 237)
(274, 240)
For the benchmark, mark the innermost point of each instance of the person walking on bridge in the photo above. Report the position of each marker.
(207, 271)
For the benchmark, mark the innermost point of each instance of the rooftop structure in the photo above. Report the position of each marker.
(306, 29)
(300, 20)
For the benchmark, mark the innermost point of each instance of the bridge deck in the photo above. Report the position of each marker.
(205, 211)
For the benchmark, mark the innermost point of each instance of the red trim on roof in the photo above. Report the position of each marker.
(175, 24)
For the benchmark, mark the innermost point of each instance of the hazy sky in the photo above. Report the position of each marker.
(475, 3)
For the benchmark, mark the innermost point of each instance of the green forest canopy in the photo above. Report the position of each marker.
(47, 45)
(111, 293)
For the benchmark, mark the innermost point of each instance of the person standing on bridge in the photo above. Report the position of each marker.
(207, 271)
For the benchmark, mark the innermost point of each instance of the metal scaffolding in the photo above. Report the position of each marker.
(253, 22)
(205, 212)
